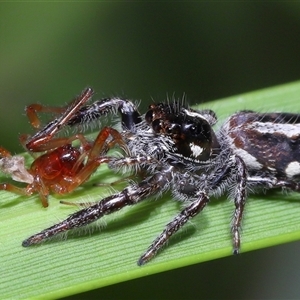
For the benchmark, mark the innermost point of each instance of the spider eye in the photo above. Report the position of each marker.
(194, 129)
(199, 131)
(149, 116)
(156, 125)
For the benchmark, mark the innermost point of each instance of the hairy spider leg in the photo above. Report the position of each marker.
(197, 205)
(43, 139)
(184, 216)
(134, 194)
(115, 163)
(129, 196)
(130, 116)
(239, 202)
(240, 199)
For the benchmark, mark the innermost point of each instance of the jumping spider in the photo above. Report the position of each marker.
(178, 150)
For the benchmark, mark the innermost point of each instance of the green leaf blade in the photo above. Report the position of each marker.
(96, 258)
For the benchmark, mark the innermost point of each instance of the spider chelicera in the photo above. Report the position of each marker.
(177, 149)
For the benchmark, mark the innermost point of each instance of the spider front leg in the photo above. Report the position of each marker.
(43, 139)
(129, 196)
(115, 163)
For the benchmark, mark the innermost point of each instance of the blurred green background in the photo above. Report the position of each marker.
(50, 51)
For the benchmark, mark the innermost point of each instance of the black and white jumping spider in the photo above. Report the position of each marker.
(178, 150)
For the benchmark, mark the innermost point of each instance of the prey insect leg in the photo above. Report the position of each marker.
(95, 157)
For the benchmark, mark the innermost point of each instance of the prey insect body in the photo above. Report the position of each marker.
(178, 150)
(58, 166)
